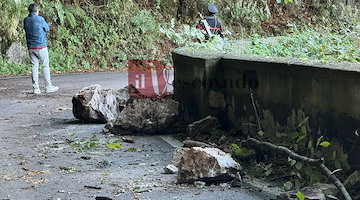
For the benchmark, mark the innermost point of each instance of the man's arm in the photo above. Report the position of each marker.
(45, 25)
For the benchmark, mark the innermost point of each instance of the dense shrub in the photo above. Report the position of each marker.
(10, 22)
(327, 47)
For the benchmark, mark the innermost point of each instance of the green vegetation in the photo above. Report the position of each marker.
(101, 35)
(295, 174)
(327, 47)
(7, 68)
(297, 137)
(94, 142)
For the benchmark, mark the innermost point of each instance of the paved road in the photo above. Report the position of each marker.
(45, 153)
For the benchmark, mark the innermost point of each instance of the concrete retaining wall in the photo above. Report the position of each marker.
(284, 92)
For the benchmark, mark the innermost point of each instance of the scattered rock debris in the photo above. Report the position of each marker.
(124, 112)
(47, 143)
(199, 184)
(128, 139)
(104, 164)
(203, 126)
(92, 187)
(237, 181)
(170, 169)
(310, 193)
(85, 157)
(103, 198)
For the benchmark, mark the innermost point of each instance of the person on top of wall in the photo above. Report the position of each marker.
(35, 28)
(211, 26)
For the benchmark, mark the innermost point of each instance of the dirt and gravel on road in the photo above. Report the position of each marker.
(45, 153)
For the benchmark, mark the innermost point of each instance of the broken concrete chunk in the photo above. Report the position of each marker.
(203, 126)
(93, 104)
(210, 165)
(170, 169)
(148, 115)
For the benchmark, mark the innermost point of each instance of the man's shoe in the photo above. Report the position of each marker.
(37, 91)
(51, 88)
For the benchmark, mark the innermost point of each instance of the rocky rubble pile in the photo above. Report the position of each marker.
(125, 110)
(197, 163)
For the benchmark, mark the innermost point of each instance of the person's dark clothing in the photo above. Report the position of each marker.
(215, 27)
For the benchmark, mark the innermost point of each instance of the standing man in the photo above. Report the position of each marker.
(35, 29)
(210, 25)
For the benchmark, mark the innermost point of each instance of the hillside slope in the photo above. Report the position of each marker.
(104, 34)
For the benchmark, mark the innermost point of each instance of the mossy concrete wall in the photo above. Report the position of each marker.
(283, 91)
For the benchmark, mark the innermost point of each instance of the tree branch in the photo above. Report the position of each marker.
(319, 163)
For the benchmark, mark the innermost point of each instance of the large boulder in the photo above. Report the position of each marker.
(210, 165)
(123, 95)
(93, 104)
(147, 115)
(16, 53)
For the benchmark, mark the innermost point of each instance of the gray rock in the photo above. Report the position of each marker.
(103, 198)
(352, 184)
(148, 115)
(210, 165)
(203, 126)
(107, 128)
(170, 169)
(128, 139)
(237, 181)
(199, 184)
(178, 154)
(353, 179)
(122, 97)
(93, 104)
(16, 53)
(310, 193)
(225, 185)
(328, 189)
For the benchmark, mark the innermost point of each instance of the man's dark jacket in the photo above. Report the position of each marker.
(215, 26)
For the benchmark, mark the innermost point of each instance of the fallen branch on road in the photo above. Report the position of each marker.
(193, 143)
(319, 163)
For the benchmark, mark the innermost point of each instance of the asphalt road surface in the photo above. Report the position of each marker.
(45, 153)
